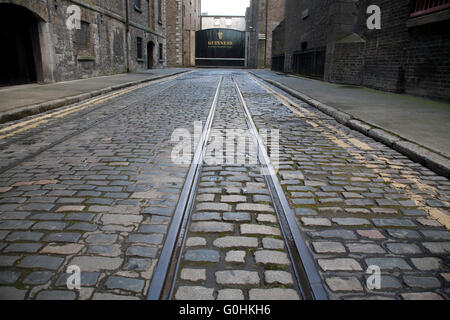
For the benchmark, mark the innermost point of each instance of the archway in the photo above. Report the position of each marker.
(150, 53)
(20, 57)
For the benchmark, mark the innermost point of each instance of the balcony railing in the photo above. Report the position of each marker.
(428, 6)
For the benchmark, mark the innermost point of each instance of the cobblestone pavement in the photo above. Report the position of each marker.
(234, 248)
(35, 133)
(358, 203)
(97, 189)
(101, 200)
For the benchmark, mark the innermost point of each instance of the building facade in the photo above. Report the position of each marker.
(331, 40)
(262, 17)
(183, 20)
(48, 41)
(225, 22)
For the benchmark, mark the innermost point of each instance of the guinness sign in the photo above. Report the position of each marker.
(220, 47)
(220, 43)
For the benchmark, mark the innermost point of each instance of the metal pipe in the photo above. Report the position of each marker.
(265, 41)
(127, 33)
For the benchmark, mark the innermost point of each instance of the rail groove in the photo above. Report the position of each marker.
(163, 280)
(306, 273)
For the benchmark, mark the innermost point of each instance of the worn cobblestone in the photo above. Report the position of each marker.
(103, 200)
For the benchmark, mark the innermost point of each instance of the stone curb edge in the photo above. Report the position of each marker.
(430, 159)
(30, 110)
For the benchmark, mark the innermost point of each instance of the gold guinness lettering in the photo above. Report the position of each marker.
(220, 43)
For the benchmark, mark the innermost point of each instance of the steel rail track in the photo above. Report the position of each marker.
(164, 277)
(307, 276)
(89, 126)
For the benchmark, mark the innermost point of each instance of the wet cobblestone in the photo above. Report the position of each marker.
(233, 242)
(100, 201)
(104, 198)
(360, 202)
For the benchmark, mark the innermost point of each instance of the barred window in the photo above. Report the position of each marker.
(83, 43)
(139, 48)
(159, 11)
(83, 36)
(137, 4)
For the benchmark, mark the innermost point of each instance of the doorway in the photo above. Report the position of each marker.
(150, 53)
(20, 57)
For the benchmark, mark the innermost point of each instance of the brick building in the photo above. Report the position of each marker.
(183, 20)
(38, 46)
(262, 17)
(329, 39)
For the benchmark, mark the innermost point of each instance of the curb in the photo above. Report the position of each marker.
(417, 153)
(30, 110)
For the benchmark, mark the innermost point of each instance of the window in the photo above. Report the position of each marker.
(304, 46)
(82, 36)
(83, 40)
(139, 47)
(159, 11)
(161, 56)
(137, 5)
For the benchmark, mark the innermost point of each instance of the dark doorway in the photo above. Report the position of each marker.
(20, 57)
(150, 49)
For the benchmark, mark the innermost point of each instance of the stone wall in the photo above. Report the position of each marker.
(100, 47)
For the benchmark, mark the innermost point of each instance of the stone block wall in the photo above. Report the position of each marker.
(100, 47)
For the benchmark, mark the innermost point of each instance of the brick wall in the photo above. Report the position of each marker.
(263, 17)
(183, 20)
(384, 66)
(405, 56)
(278, 35)
(275, 16)
(313, 29)
(347, 63)
(427, 67)
(399, 58)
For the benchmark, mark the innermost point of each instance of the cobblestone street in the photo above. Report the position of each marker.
(94, 185)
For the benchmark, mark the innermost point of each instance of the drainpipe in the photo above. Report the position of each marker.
(127, 33)
(265, 42)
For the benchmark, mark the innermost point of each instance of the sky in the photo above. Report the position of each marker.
(225, 7)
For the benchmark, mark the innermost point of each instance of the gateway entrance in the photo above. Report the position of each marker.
(220, 48)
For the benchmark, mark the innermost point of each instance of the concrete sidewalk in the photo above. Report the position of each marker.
(422, 121)
(20, 101)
